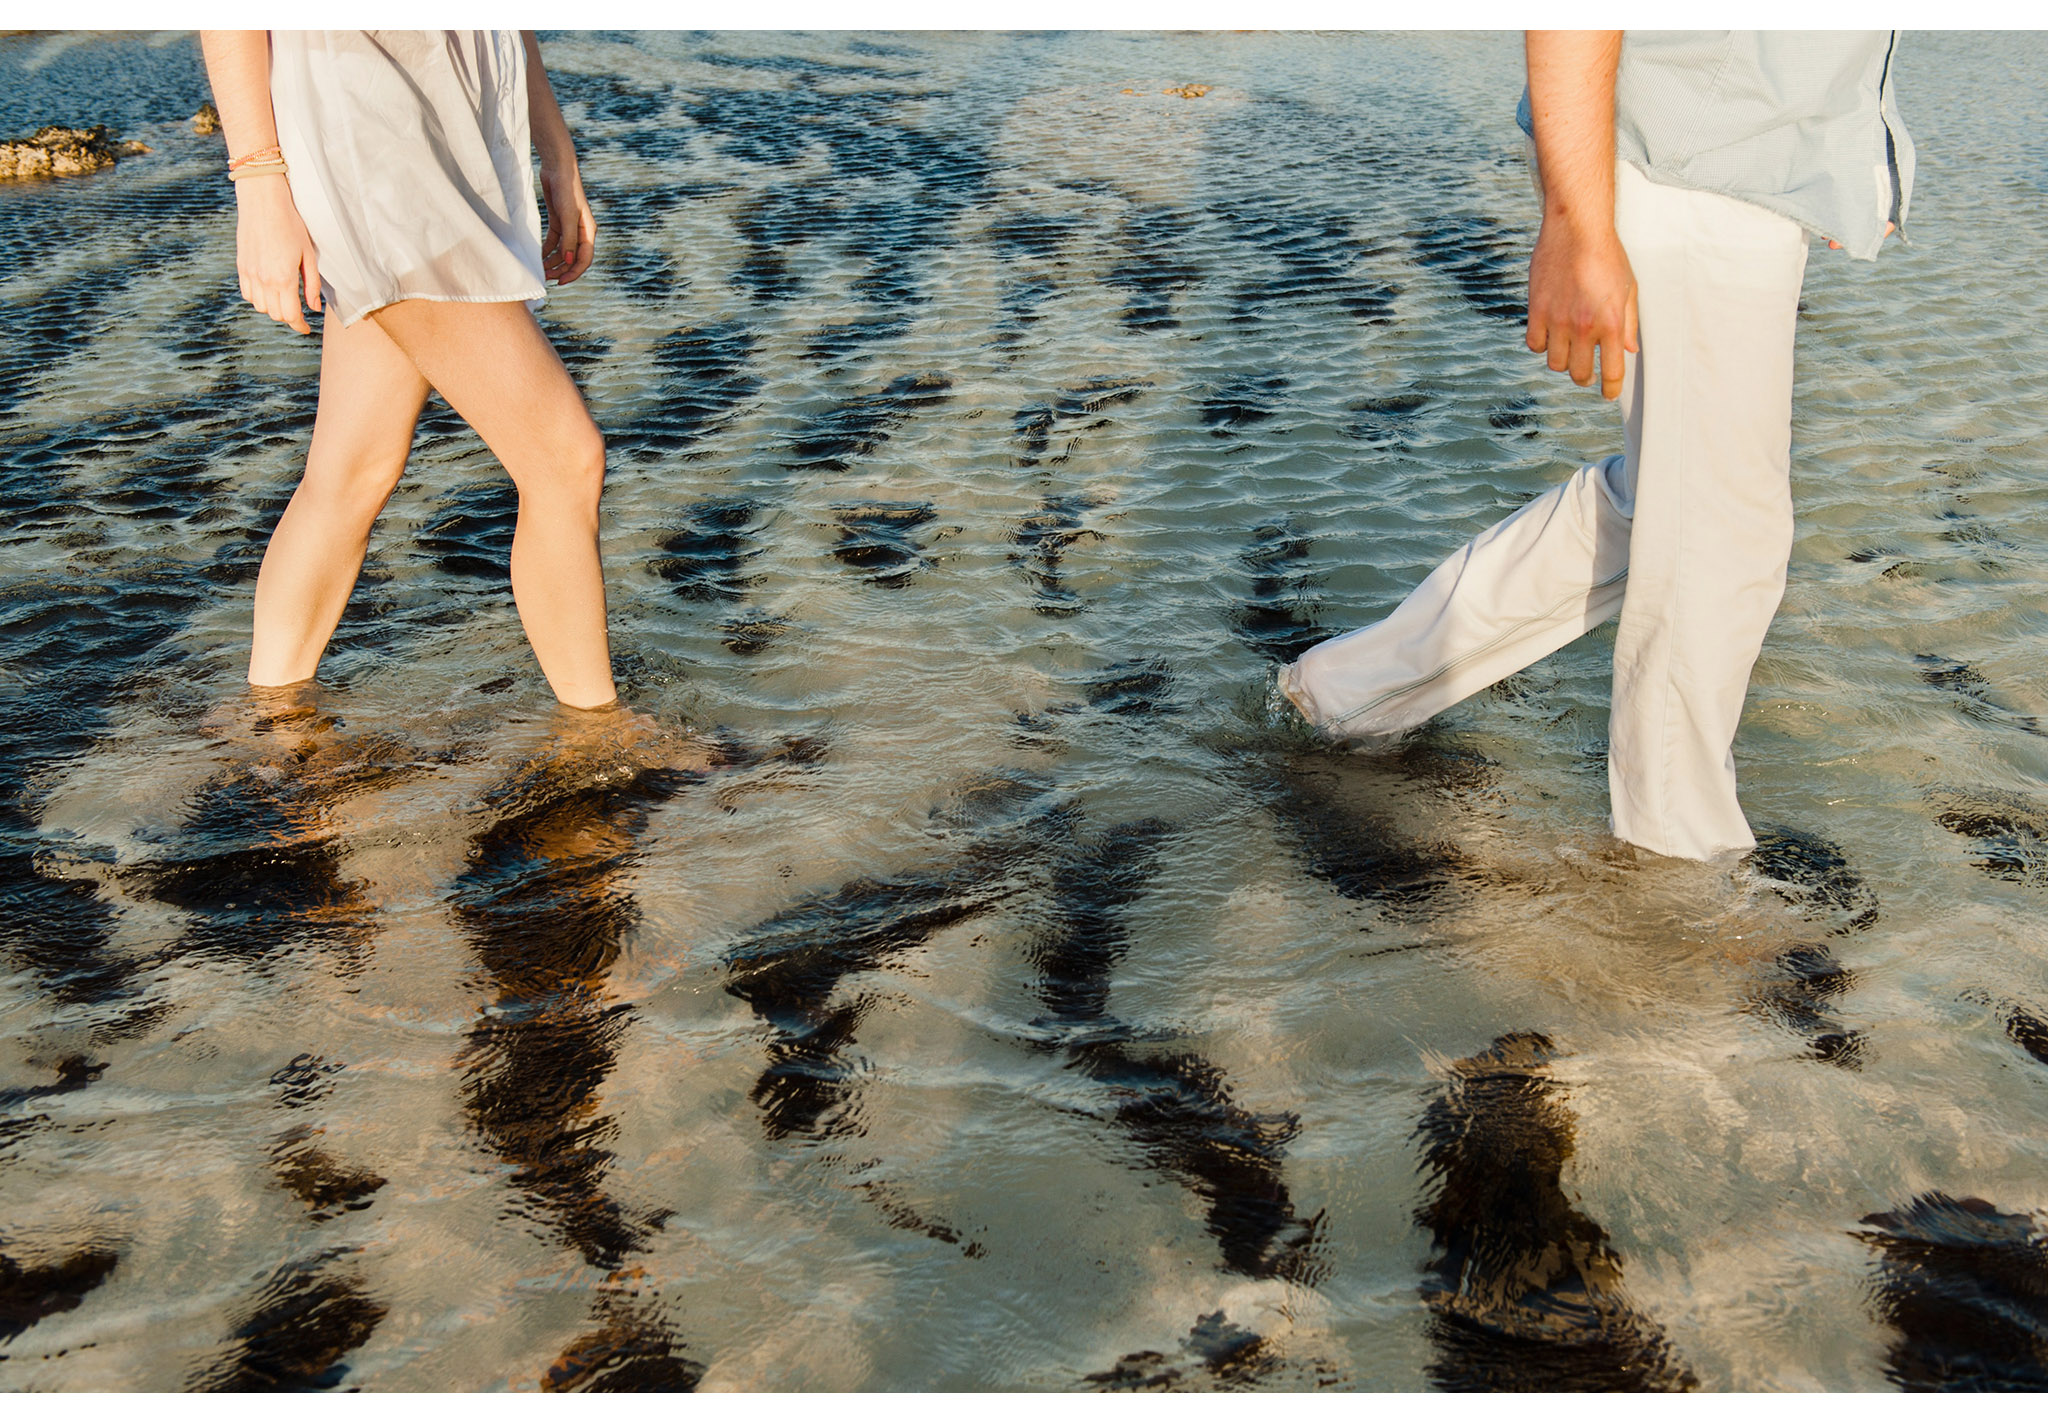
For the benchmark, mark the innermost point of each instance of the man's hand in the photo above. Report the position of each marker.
(1582, 293)
(1582, 298)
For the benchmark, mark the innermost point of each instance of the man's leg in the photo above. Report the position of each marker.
(1547, 573)
(1718, 290)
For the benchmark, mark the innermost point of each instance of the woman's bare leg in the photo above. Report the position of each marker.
(370, 399)
(491, 362)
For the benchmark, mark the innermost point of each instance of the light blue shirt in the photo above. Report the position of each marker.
(1803, 122)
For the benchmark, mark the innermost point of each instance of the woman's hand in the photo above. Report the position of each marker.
(572, 232)
(571, 242)
(273, 252)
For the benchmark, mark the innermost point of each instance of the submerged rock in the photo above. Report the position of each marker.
(207, 120)
(54, 151)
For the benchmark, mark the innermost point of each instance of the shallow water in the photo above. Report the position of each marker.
(1006, 999)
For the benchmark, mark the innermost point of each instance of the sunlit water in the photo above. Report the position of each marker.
(1014, 1001)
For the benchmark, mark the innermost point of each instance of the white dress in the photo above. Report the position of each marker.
(410, 163)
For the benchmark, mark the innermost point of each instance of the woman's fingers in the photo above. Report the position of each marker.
(279, 300)
(288, 303)
(551, 246)
(586, 242)
(311, 267)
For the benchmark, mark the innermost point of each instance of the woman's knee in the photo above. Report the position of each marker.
(350, 487)
(571, 471)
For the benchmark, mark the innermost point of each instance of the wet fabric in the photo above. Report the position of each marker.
(1803, 122)
(410, 163)
(1685, 535)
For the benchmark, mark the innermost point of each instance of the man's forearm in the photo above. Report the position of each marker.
(1571, 98)
(1582, 293)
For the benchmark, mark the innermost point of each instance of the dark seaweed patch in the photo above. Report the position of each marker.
(580, 353)
(1319, 258)
(773, 224)
(647, 272)
(705, 558)
(1245, 400)
(1482, 260)
(1041, 541)
(297, 1334)
(631, 1351)
(1966, 1287)
(1035, 424)
(707, 377)
(1134, 689)
(1517, 412)
(880, 539)
(255, 865)
(1974, 695)
(858, 426)
(1811, 873)
(472, 536)
(56, 326)
(1389, 421)
(637, 210)
(2011, 831)
(1176, 1108)
(899, 186)
(1029, 236)
(325, 1186)
(541, 906)
(882, 51)
(887, 1199)
(1523, 1289)
(608, 98)
(794, 64)
(1153, 266)
(837, 342)
(1798, 992)
(85, 640)
(1215, 1355)
(1020, 301)
(33, 1292)
(304, 1080)
(1337, 813)
(2028, 1032)
(789, 969)
(748, 637)
(1276, 618)
(73, 1074)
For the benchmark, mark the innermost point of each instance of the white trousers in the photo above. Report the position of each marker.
(1686, 534)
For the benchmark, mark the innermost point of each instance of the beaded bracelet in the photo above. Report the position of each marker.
(258, 157)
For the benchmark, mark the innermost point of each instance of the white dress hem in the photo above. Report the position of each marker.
(536, 298)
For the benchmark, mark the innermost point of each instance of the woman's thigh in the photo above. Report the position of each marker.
(370, 399)
(494, 365)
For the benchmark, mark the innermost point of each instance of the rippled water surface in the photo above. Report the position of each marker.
(993, 993)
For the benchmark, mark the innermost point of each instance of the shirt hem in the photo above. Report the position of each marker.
(1784, 210)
